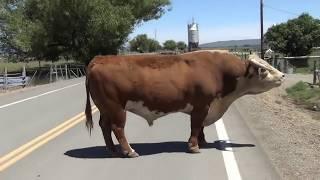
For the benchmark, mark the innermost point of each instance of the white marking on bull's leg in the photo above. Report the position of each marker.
(228, 156)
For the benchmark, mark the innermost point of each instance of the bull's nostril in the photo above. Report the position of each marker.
(283, 76)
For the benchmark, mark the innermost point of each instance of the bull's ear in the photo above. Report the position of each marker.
(257, 62)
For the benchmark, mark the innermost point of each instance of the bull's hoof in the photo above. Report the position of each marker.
(132, 154)
(202, 143)
(194, 149)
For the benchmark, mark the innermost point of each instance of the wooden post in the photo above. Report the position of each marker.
(275, 65)
(51, 70)
(61, 72)
(285, 66)
(66, 69)
(314, 71)
(56, 71)
(24, 76)
(272, 60)
(5, 78)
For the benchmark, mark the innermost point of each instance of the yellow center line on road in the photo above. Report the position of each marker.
(19, 153)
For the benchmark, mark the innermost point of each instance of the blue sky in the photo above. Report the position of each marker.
(223, 19)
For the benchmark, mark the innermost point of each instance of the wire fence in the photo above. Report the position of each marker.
(40, 75)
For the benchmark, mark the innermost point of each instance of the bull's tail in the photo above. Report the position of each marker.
(89, 122)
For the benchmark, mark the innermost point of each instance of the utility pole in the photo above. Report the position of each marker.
(261, 29)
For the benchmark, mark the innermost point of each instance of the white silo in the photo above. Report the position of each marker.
(193, 36)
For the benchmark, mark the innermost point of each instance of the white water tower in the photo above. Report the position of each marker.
(193, 36)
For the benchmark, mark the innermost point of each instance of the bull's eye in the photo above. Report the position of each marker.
(261, 70)
(262, 73)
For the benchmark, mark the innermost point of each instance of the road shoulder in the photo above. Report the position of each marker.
(289, 135)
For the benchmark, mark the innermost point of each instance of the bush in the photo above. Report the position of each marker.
(303, 94)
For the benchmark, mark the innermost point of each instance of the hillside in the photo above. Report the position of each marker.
(246, 43)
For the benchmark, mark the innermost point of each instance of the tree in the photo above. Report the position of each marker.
(154, 45)
(139, 43)
(142, 43)
(15, 30)
(77, 29)
(295, 37)
(181, 45)
(170, 45)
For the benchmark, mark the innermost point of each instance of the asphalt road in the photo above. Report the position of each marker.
(232, 152)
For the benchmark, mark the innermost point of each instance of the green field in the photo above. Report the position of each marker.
(305, 95)
(17, 66)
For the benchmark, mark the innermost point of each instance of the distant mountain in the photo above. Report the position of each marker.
(246, 43)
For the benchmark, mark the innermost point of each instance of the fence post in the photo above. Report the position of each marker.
(315, 71)
(276, 62)
(51, 70)
(5, 78)
(24, 76)
(66, 68)
(61, 71)
(56, 71)
(285, 66)
(24, 71)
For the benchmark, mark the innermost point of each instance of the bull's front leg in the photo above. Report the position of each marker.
(197, 117)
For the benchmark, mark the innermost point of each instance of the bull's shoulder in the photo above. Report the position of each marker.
(102, 59)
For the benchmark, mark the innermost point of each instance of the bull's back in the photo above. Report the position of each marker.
(136, 75)
(155, 80)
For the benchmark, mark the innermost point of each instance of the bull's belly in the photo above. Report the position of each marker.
(216, 111)
(139, 109)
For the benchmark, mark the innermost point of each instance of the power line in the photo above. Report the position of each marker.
(280, 10)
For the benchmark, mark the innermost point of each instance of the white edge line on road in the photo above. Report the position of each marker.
(228, 156)
(33, 97)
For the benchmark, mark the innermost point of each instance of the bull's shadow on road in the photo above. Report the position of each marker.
(145, 149)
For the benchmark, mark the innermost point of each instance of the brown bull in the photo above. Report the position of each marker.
(202, 84)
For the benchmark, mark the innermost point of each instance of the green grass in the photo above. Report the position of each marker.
(17, 66)
(303, 94)
(303, 70)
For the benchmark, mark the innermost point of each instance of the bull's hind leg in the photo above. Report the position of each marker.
(118, 121)
(105, 125)
(201, 138)
(197, 117)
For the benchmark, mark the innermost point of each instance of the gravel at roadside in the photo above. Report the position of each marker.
(289, 134)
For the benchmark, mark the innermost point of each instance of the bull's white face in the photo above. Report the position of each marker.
(261, 76)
